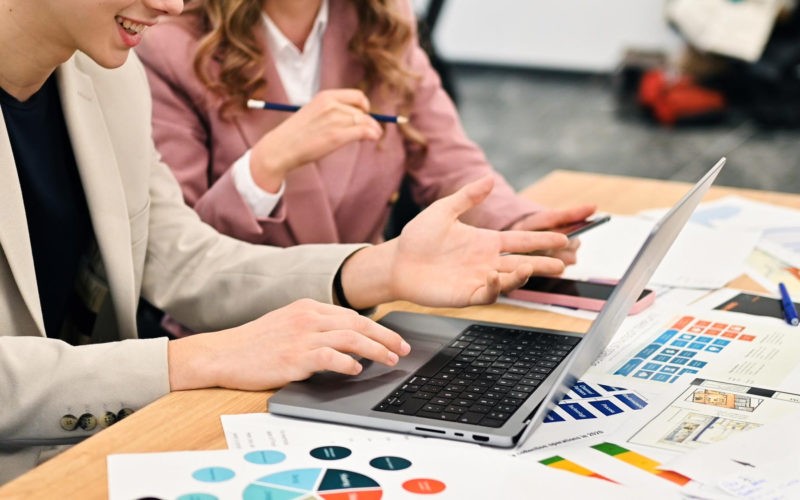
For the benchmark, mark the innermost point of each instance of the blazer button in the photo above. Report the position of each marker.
(123, 413)
(69, 422)
(109, 418)
(87, 422)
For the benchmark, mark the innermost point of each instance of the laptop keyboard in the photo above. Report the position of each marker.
(482, 377)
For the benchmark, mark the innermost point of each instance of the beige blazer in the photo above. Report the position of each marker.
(150, 244)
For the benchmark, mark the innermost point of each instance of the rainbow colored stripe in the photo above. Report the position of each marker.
(558, 462)
(640, 462)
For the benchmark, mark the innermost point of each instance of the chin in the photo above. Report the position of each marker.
(111, 60)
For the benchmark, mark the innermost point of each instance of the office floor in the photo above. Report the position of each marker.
(531, 122)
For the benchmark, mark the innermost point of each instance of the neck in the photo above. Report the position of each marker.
(25, 61)
(295, 18)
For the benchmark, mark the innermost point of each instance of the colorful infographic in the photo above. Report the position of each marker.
(729, 347)
(357, 471)
(640, 461)
(588, 400)
(686, 347)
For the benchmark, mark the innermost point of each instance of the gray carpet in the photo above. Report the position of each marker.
(531, 122)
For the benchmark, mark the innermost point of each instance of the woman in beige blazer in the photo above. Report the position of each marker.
(341, 169)
(66, 73)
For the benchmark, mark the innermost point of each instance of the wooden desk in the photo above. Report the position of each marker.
(189, 420)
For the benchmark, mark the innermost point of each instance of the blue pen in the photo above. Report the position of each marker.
(291, 108)
(789, 312)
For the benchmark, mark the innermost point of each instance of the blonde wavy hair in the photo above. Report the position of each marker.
(379, 44)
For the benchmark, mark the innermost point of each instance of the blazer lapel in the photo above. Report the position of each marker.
(339, 70)
(308, 221)
(102, 184)
(14, 238)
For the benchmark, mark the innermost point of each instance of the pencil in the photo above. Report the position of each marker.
(291, 108)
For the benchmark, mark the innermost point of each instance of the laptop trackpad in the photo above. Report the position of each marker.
(331, 390)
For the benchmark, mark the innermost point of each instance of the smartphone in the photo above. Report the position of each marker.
(590, 295)
(576, 228)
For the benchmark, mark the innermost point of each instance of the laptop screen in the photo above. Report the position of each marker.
(622, 299)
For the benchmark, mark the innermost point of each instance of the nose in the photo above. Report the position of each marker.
(166, 7)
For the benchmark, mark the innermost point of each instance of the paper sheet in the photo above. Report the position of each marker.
(737, 29)
(779, 226)
(719, 345)
(768, 270)
(761, 463)
(695, 260)
(329, 468)
(705, 412)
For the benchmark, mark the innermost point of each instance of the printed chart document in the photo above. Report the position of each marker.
(705, 412)
(717, 345)
(332, 469)
(761, 463)
(777, 256)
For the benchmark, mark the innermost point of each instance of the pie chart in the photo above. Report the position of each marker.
(314, 484)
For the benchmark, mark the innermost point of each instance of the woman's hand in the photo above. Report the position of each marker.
(555, 217)
(439, 261)
(332, 119)
(288, 344)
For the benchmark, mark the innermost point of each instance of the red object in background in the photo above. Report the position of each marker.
(678, 99)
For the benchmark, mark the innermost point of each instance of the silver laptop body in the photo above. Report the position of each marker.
(349, 400)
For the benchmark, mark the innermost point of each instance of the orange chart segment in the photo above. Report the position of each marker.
(558, 462)
(375, 494)
(424, 486)
(640, 462)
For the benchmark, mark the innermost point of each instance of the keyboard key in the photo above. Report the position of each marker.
(470, 418)
(437, 362)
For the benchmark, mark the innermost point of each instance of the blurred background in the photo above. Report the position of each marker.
(651, 88)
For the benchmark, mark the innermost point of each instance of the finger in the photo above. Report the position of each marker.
(466, 197)
(489, 292)
(514, 280)
(537, 265)
(365, 326)
(531, 241)
(568, 257)
(350, 97)
(562, 217)
(350, 341)
(327, 358)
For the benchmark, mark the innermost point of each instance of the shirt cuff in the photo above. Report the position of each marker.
(261, 202)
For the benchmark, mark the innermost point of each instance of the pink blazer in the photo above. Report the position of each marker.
(343, 197)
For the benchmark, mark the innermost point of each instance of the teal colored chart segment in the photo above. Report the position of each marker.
(390, 463)
(197, 496)
(263, 492)
(337, 479)
(302, 479)
(331, 452)
(213, 474)
(265, 457)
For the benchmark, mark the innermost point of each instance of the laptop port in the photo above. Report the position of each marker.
(478, 437)
(423, 429)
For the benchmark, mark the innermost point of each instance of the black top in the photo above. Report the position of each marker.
(55, 205)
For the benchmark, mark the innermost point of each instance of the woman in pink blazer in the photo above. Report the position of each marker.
(335, 170)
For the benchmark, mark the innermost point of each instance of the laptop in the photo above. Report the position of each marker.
(476, 381)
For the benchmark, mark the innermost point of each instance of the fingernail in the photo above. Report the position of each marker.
(393, 358)
(405, 348)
